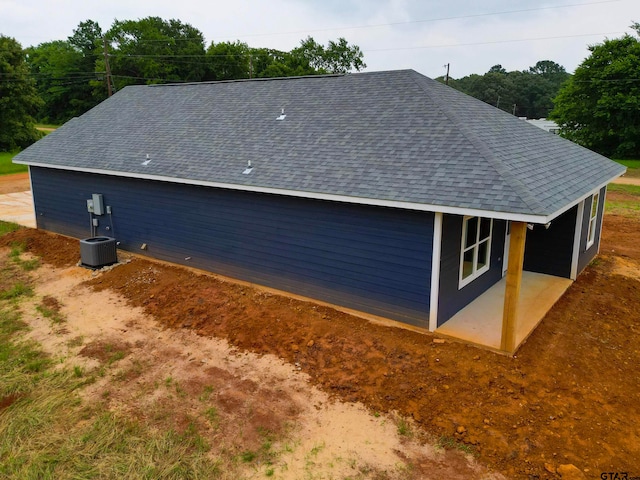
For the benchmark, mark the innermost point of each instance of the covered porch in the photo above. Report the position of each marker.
(481, 322)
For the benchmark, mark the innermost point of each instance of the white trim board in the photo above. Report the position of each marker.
(424, 207)
(435, 272)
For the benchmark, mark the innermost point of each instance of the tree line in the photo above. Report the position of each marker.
(527, 93)
(71, 75)
(54, 81)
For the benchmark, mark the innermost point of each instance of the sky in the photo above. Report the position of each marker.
(424, 35)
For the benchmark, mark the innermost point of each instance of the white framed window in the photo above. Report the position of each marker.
(475, 251)
(593, 220)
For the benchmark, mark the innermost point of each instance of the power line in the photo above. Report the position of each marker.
(471, 44)
(429, 20)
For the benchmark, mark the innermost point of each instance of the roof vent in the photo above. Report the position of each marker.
(247, 170)
(282, 115)
(147, 161)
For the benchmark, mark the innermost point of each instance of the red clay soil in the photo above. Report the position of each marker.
(570, 396)
(16, 182)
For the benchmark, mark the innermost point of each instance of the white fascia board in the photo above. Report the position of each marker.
(517, 217)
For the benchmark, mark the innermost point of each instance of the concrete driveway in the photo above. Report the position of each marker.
(18, 208)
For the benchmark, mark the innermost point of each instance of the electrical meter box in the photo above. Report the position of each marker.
(95, 204)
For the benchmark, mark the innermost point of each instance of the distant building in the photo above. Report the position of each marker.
(543, 123)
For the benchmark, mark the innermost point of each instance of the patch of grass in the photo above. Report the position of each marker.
(317, 449)
(213, 416)
(54, 316)
(48, 126)
(6, 165)
(628, 207)
(633, 167)
(628, 189)
(8, 227)
(449, 443)
(49, 433)
(207, 391)
(75, 341)
(404, 428)
(115, 357)
(19, 289)
(27, 265)
(248, 456)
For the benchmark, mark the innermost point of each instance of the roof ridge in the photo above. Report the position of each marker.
(244, 80)
(497, 164)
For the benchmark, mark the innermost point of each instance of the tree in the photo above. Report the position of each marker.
(228, 61)
(61, 83)
(153, 50)
(337, 57)
(598, 107)
(88, 38)
(523, 93)
(18, 98)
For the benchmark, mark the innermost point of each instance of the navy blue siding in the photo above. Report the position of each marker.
(373, 259)
(550, 250)
(453, 299)
(587, 254)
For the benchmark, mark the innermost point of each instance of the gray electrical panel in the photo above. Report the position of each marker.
(98, 204)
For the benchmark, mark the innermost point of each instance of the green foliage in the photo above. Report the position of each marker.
(235, 60)
(64, 70)
(228, 61)
(526, 93)
(598, 108)
(7, 166)
(337, 57)
(153, 50)
(19, 98)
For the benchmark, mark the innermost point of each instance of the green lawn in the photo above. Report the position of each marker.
(633, 167)
(628, 205)
(7, 167)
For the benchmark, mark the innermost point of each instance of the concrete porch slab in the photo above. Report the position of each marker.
(18, 208)
(480, 322)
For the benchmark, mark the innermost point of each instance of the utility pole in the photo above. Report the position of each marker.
(106, 64)
(446, 78)
(250, 66)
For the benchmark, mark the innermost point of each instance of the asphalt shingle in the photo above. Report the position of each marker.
(395, 136)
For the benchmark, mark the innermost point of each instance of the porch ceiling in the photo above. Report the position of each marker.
(480, 322)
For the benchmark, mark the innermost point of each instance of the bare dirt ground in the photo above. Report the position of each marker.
(570, 396)
(16, 182)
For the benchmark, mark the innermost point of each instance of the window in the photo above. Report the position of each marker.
(591, 233)
(476, 248)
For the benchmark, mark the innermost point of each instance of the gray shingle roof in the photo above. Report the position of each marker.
(388, 136)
